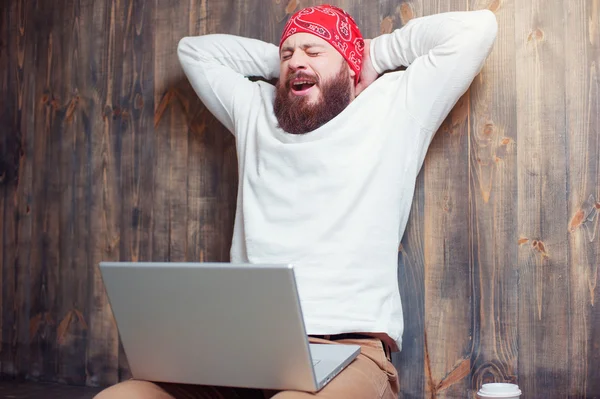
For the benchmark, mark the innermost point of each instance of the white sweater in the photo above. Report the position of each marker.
(334, 202)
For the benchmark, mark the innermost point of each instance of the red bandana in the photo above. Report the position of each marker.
(335, 26)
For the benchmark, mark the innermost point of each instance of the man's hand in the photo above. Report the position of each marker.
(367, 74)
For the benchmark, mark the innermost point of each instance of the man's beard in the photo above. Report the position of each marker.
(295, 115)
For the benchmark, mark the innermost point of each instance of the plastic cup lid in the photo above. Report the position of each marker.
(499, 390)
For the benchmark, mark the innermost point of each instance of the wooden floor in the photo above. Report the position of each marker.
(32, 390)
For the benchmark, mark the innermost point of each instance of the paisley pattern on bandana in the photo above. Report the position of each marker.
(335, 26)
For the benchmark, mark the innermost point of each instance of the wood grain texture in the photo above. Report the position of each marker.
(202, 230)
(134, 116)
(106, 153)
(448, 273)
(71, 325)
(9, 112)
(582, 83)
(544, 327)
(410, 362)
(102, 44)
(34, 282)
(169, 239)
(492, 197)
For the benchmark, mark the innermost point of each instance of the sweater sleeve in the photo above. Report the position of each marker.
(443, 53)
(217, 67)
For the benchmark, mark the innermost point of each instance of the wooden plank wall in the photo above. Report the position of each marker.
(107, 154)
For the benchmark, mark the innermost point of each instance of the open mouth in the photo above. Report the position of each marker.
(301, 87)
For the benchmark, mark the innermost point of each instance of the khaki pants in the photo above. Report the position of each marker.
(370, 376)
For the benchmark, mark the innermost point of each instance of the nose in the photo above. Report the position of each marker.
(298, 61)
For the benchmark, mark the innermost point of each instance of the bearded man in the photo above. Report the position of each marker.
(328, 160)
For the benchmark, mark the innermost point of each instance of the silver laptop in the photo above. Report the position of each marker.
(218, 324)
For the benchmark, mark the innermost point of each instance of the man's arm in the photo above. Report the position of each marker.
(443, 53)
(217, 67)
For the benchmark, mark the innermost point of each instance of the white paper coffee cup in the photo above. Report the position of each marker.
(499, 390)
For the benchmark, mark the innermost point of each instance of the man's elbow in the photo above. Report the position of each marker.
(488, 26)
(483, 31)
(184, 49)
